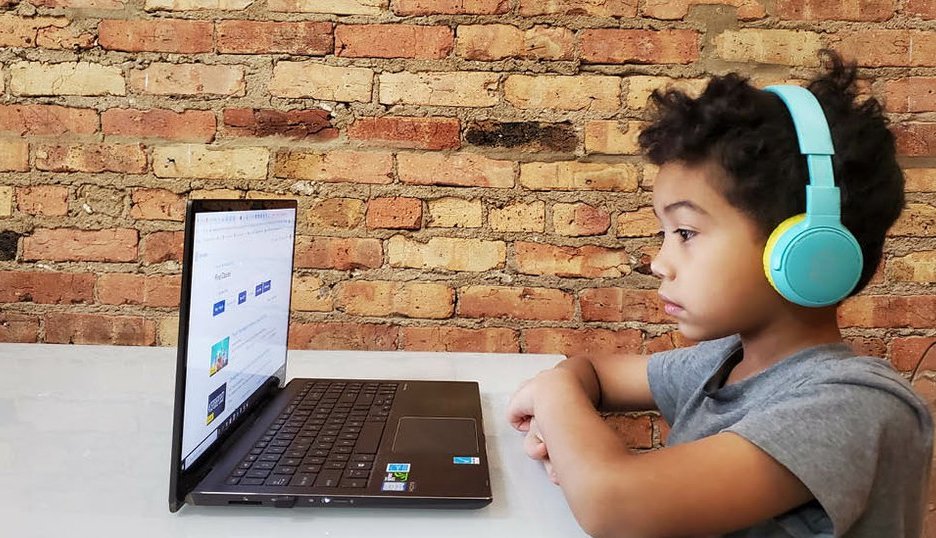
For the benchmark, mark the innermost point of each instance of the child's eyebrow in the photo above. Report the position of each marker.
(682, 203)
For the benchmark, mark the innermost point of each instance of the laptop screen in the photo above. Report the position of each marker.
(238, 316)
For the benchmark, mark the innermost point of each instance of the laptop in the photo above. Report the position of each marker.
(242, 436)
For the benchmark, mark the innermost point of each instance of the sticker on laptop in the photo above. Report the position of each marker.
(466, 460)
(394, 486)
(398, 467)
(396, 477)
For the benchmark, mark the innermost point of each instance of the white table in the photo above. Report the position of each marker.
(85, 438)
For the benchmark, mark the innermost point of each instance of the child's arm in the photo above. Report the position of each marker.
(713, 485)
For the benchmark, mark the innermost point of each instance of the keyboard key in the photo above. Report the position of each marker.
(303, 480)
(258, 473)
(277, 480)
(284, 469)
(328, 479)
(353, 483)
(357, 473)
(251, 481)
(232, 481)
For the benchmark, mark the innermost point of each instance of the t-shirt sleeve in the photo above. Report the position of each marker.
(831, 436)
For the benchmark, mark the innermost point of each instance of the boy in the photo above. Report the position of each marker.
(777, 428)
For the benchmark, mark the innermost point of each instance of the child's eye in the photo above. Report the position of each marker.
(685, 234)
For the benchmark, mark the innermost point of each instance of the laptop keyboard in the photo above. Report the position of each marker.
(326, 437)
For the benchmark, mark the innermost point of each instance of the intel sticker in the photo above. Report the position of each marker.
(394, 486)
(398, 467)
(466, 460)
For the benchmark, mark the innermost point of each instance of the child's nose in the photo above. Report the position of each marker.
(660, 268)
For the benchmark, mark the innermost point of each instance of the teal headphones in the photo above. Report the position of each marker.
(810, 258)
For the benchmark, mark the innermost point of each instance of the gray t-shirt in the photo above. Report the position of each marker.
(849, 427)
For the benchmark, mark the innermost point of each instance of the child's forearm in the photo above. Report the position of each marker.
(585, 372)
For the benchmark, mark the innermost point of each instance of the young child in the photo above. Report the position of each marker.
(777, 428)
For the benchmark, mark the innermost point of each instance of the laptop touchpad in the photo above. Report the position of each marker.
(436, 434)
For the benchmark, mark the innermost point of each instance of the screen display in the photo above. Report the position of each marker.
(238, 317)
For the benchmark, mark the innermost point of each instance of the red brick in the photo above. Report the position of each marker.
(258, 37)
(393, 41)
(746, 10)
(880, 48)
(157, 204)
(910, 94)
(14, 155)
(916, 139)
(620, 304)
(580, 220)
(351, 336)
(188, 125)
(588, 261)
(161, 247)
(403, 132)
(395, 213)
(45, 200)
(664, 429)
(446, 338)
(635, 431)
(925, 9)
(666, 342)
(449, 7)
(63, 328)
(457, 169)
(581, 342)
(515, 303)
(889, 311)
(158, 35)
(19, 328)
(155, 290)
(46, 288)
(867, 345)
(842, 10)
(907, 354)
(342, 254)
(640, 46)
(313, 124)
(68, 38)
(47, 120)
(605, 8)
(68, 244)
(95, 158)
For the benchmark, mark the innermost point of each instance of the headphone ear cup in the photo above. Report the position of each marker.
(772, 268)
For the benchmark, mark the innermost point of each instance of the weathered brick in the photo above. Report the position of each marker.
(459, 169)
(22, 32)
(678, 9)
(635, 431)
(198, 161)
(95, 158)
(161, 247)
(914, 267)
(14, 156)
(450, 7)
(393, 41)
(867, 346)
(620, 304)
(6, 210)
(309, 294)
(613, 137)
(571, 93)
(261, 37)
(196, 5)
(925, 9)
(518, 217)
(156, 35)
(487, 42)
(396, 213)
(920, 179)
(640, 88)
(9, 241)
(189, 79)
(225, 194)
(82, 4)
(343, 254)
(915, 139)
(147, 290)
(167, 331)
(611, 46)
(47, 120)
(446, 253)
(640, 223)
(337, 7)
(349, 336)
(581, 342)
(336, 166)
(528, 136)
(46, 287)
(588, 261)
(515, 303)
(67, 78)
(68, 244)
(881, 48)
(888, 311)
(917, 220)
(607, 8)
(311, 124)
(466, 89)
(383, 298)
(157, 204)
(572, 175)
(45, 200)
(336, 213)
(69, 38)
(405, 132)
(446, 338)
(186, 126)
(580, 219)
(455, 213)
(845, 10)
(66, 328)
(910, 94)
(318, 81)
(20, 328)
(907, 353)
(785, 47)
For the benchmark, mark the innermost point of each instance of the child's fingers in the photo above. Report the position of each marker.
(534, 446)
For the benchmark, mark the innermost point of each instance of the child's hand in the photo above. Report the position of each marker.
(536, 448)
(520, 407)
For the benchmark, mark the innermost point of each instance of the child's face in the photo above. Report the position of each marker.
(712, 276)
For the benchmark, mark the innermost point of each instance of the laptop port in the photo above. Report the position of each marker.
(249, 503)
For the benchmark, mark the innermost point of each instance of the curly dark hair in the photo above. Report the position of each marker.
(750, 134)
